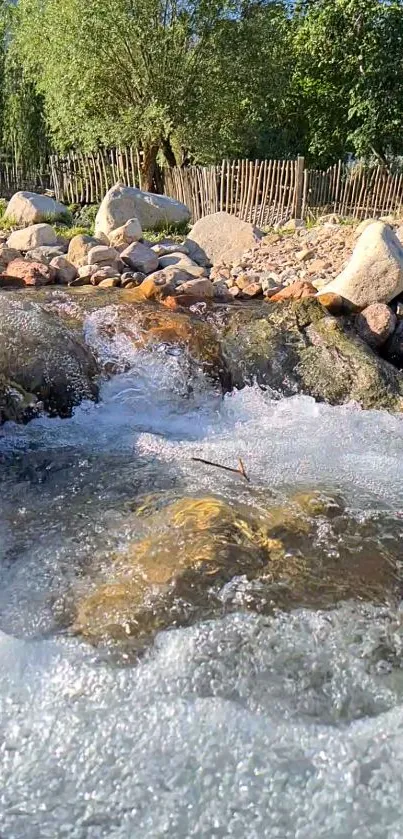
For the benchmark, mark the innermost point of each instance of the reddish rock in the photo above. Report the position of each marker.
(376, 324)
(295, 291)
(334, 303)
(30, 273)
(318, 266)
(252, 290)
(180, 301)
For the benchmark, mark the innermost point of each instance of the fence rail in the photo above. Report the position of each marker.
(263, 192)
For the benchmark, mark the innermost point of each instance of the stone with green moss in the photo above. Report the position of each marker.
(297, 347)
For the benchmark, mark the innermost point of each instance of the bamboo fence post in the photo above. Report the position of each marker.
(266, 170)
(299, 185)
(272, 183)
(231, 187)
(222, 185)
(237, 185)
(376, 189)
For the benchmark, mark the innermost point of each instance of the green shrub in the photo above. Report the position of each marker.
(85, 216)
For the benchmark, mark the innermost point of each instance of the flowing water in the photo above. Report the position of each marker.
(251, 723)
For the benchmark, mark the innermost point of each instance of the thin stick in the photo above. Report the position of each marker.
(240, 470)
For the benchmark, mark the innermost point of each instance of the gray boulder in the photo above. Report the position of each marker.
(374, 273)
(43, 358)
(44, 254)
(140, 258)
(153, 212)
(219, 238)
(30, 208)
(31, 237)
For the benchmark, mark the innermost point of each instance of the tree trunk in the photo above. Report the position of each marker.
(149, 166)
(168, 152)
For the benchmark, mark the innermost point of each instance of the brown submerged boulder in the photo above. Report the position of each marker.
(147, 324)
(193, 546)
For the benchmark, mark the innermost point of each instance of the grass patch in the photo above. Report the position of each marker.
(176, 232)
(69, 232)
(8, 224)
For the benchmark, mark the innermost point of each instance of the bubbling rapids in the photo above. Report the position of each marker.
(285, 724)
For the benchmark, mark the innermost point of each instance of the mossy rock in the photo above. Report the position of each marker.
(15, 403)
(43, 357)
(193, 547)
(297, 347)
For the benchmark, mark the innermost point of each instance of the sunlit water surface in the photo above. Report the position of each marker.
(287, 725)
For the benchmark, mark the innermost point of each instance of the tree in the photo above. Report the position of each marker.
(349, 75)
(197, 79)
(244, 104)
(23, 131)
(117, 72)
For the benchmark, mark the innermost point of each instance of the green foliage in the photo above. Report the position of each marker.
(7, 224)
(202, 80)
(85, 216)
(23, 131)
(349, 76)
(177, 232)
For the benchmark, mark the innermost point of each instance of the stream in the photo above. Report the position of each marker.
(246, 722)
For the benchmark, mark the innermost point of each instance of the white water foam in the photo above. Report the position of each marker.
(288, 728)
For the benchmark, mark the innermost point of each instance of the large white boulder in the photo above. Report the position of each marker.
(374, 273)
(35, 236)
(153, 212)
(31, 208)
(220, 237)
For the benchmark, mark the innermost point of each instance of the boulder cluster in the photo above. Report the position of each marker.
(317, 310)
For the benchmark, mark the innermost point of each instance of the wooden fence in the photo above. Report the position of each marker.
(263, 192)
(85, 178)
(357, 192)
(14, 177)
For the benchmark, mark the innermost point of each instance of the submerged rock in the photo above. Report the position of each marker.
(298, 347)
(15, 403)
(40, 354)
(195, 546)
(147, 325)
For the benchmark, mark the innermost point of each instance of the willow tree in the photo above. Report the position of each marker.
(118, 72)
(23, 131)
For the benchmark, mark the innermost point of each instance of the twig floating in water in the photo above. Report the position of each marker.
(240, 470)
